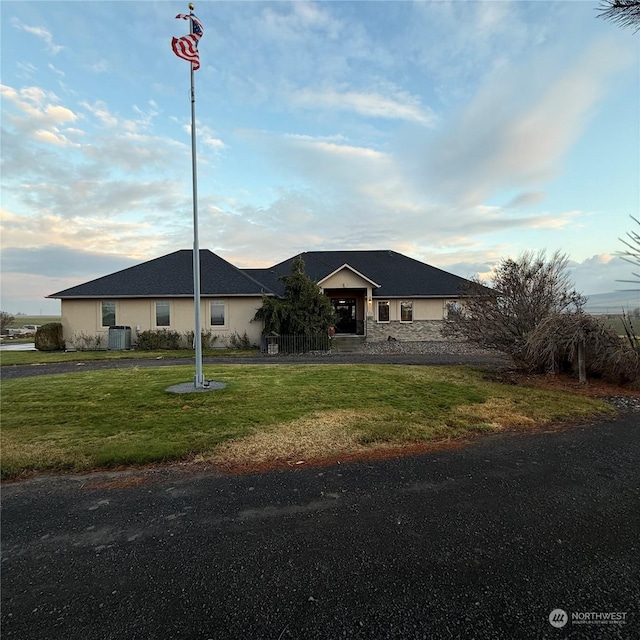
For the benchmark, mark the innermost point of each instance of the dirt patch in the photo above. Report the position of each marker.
(128, 481)
(564, 382)
(373, 452)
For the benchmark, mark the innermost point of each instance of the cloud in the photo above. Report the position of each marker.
(37, 108)
(69, 262)
(517, 129)
(601, 273)
(27, 274)
(525, 199)
(88, 231)
(364, 193)
(294, 21)
(39, 32)
(116, 168)
(55, 70)
(400, 106)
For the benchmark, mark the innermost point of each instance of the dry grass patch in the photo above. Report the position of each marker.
(41, 453)
(497, 413)
(324, 433)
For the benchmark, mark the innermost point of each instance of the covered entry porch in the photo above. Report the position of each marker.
(349, 305)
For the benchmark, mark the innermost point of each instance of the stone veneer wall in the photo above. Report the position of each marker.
(416, 331)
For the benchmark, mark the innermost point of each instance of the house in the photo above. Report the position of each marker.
(376, 294)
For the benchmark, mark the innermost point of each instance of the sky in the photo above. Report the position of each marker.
(457, 133)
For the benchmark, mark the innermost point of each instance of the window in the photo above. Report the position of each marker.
(108, 313)
(163, 313)
(217, 313)
(383, 311)
(406, 311)
(452, 307)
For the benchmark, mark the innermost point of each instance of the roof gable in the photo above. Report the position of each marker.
(346, 267)
(398, 275)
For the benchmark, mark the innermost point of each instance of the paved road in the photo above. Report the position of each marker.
(478, 542)
(27, 371)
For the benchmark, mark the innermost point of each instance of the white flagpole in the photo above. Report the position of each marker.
(198, 380)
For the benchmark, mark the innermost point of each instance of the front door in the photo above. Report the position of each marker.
(346, 313)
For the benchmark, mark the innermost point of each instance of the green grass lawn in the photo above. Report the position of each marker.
(89, 420)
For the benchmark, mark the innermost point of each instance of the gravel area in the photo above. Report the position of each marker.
(428, 348)
(626, 404)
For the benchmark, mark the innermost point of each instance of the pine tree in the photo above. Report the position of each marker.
(305, 310)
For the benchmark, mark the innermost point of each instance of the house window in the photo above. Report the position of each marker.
(453, 307)
(163, 313)
(383, 311)
(217, 313)
(108, 313)
(406, 311)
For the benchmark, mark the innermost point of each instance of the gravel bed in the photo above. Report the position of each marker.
(627, 404)
(435, 347)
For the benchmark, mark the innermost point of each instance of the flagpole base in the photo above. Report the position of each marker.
(199, 382)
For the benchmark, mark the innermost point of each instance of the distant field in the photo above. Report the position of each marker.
(615, 322)
(20, 321)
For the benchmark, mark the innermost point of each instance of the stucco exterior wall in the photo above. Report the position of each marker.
(84, 317)
(346, 279)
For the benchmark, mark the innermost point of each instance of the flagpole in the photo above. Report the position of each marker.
(198, 380)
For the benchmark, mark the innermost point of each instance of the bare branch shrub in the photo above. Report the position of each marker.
(87, 342)
(553, 346)
(6, 320)
(632, 252)
(630, 331)
(500, 314)
(207, 339)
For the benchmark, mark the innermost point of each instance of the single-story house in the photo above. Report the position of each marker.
(376, 294)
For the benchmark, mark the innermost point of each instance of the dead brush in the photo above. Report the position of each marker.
(554, 344)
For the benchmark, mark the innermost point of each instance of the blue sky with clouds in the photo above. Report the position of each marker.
(457, 133)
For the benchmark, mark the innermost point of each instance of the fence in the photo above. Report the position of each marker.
(294, 344)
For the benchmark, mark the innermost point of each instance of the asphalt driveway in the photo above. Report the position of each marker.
(477, 542)
(475, 358)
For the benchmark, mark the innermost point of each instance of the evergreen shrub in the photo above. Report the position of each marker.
(49, 337)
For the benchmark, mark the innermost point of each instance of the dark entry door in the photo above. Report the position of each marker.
(346, 312)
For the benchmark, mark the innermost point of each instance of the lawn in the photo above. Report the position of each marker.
(266, 413)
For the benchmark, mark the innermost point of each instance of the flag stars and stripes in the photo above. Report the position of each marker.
(186, 47)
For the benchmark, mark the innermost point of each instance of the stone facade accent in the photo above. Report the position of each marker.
(416, 331)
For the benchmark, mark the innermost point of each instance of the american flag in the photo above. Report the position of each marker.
(186, 47)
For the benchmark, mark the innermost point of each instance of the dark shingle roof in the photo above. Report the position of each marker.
(170, 275)
(398, 275)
